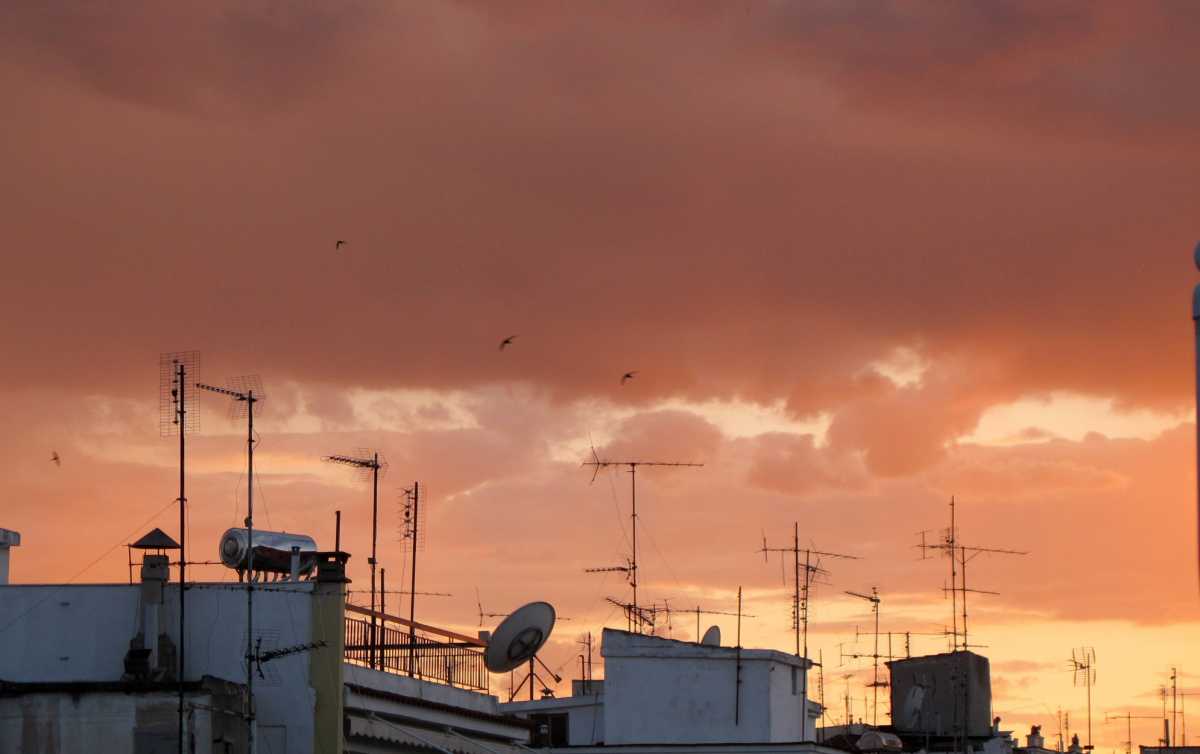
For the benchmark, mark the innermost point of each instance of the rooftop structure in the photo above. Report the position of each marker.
(86, 662)
(666, 693)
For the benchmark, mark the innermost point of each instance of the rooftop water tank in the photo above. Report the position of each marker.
(272, 551)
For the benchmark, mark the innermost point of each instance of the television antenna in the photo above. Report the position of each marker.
(412, 535)
(179, 414)
(1128, 718)
(1083, 669)
(482, 614)
(370, 465)
(873, 598)
(802, 584)
(597, 464)
(959, 555)
(245, 392)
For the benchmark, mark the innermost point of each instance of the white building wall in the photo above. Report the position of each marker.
(81, 633)
(659, 691)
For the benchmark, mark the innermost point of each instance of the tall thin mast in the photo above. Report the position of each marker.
(412, 597)
(597, 463)
(247, 392)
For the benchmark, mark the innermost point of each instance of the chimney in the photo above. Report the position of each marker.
(8, 538)
(155, 569)
(326, 665)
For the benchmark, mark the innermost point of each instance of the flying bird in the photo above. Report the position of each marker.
(338, 245)
(507, 342)
(54, 457)
(627, 377)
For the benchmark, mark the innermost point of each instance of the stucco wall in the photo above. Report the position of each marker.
(62, 723)
(81, 633)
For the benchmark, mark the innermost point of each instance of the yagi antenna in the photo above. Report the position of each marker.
(179, 414)
(873, 598)
(482, 614)
(804, 576)
(959, 555)
(597, 463)
(372, 466)
(245, 392)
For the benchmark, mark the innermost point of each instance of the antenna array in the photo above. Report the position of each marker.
(1083, 666)
(179, 414)
(597, 464)
(246, 391)
(370, 465)
(803, 577)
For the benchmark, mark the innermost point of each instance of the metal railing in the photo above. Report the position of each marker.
(405, 649)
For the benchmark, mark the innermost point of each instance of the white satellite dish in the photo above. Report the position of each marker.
(519, 637)
(712, 637)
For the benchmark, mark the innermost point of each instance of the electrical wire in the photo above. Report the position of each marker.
(88, 567)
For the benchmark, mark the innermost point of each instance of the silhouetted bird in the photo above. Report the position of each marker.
(507, 342)
(54, 457)
(627, 377)
(338, 245)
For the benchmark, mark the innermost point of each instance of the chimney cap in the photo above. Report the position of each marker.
(156, 540)
(9, 538)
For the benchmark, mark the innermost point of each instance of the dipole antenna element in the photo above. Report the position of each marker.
(179, 414)
(245, 392)
(597, 463)
(803, 573)
(370, 465)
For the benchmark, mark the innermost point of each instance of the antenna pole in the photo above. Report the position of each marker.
(181, 418)
(952, 540)
(633, 574)
(796, 584)
(412, 598)
(373, 562)
(252, 748)
(337, 531)
(737, 685)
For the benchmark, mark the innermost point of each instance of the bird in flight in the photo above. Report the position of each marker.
(55, 459)
(507, 342)
(627, 377)
(338, 245)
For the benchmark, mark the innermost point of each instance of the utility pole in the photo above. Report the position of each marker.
(597, 464)
(802, 580)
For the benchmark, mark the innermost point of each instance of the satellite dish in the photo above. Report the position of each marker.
(712, 637)
(519, 637)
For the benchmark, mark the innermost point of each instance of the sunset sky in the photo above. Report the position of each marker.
(863, 257)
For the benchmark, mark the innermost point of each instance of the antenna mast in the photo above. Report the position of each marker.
(1083, 662)
(1128, 718)
(873, 598)
(802, 586)
(369, 462)
(597, 464)
(179, 414)
(246, 391)
(412, 534)
(960, 555)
